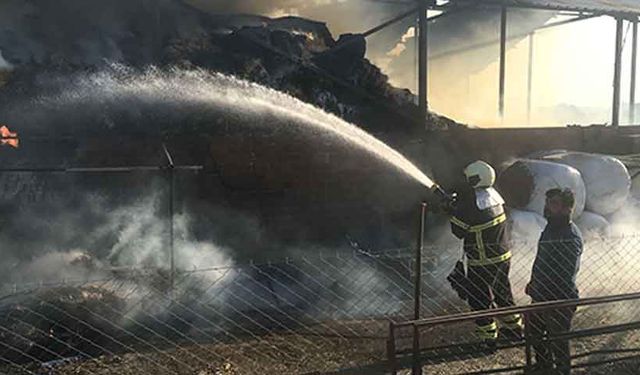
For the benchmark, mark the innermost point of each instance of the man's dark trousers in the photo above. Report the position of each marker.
(552, 323)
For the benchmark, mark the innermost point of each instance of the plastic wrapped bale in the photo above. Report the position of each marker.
(635, 188)
(544, 153)
(593, 225)
(606, 179)
(525, 226)
(524, 184)
(524, 229)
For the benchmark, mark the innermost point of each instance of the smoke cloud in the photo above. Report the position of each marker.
(4, 64)
(401, 46)
(96, 238)
(281, 175)
(99, 40)
(342, 16)
(264, 7)
(393, 49)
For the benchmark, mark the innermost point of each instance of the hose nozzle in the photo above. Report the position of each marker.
(440, 193)
(447, 200)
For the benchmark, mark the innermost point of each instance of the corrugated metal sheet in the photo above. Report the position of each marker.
(598, 6)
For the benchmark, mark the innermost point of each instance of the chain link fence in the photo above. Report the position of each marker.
(608, 266)
(305, 314)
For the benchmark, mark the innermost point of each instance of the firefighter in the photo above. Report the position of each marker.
(553, 278)
(478, 218)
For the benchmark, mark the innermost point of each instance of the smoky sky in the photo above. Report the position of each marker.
(135, 32)
(462, 30)
(248, 6)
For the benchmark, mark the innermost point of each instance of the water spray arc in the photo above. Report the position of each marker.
(173, 103)
(213, 93)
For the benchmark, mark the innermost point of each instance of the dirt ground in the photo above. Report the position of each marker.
(326, 353)
(278, 354)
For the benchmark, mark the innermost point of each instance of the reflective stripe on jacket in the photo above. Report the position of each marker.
(483, 231)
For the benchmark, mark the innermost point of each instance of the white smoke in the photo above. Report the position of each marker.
(60, 266)
(626, 221)
(4, 64)
(402, 44)
(341, 16)
(609, 263)
(385, 61)
(142, 232)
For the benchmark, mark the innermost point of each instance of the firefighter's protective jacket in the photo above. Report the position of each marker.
(479, 219)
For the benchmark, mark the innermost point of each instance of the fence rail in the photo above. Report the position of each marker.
(307, 313)
(526, 342)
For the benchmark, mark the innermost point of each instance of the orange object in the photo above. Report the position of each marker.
(8, 137)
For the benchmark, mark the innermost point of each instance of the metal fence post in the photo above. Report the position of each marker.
(172, 187)
(391, 349)
(527, 343)
(503, 63)
(171, 198)
(617, 73)
(417, 365)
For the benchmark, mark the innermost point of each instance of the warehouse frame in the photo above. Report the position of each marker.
(580, 10)
(583, 9)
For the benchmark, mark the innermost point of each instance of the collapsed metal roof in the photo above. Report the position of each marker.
(614, 7)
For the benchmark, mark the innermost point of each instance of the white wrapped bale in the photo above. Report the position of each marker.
(593, 225)
(525, 182)
(635, 188)
(544, 153)
(525, 226)
(606, 179)
(524, 230)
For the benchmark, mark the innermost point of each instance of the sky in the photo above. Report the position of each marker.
(572, 79)
(573, 67)
(579, 61)
(572, 74)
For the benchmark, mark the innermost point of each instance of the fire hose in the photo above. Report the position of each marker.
(457, 278)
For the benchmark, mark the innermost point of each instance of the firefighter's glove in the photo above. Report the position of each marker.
(447, 200)
(448, 205)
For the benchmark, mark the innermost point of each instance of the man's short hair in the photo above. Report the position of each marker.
(566, 196)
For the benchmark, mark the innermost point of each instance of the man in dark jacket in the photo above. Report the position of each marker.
(554, 278)
(479, 219)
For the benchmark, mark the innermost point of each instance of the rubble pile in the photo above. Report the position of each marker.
(59, 322)
(290, 54)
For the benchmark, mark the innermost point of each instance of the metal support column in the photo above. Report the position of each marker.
(418, 261)
(171, 198)
(422, 61)
(530, 78)
(417, 364)
(632, 85)
(392, 366)
(528, 347)
(615, 116)
(172, 189)
(503, 58)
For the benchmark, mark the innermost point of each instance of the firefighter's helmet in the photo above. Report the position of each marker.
(480, 174)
